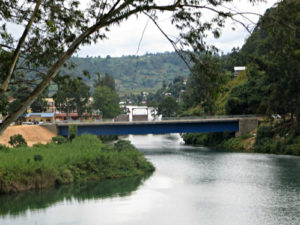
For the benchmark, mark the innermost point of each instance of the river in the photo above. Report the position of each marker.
(191, 185)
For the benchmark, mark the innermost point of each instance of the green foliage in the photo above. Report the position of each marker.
(207, 139)
(4, 148)
(232, 144)
(246, 98)
(293, 149)
(168, 107)
(264, 132)
(85, 158)
(193, 111)
(132, 74)
(275, 52)
(40, 104)
(204, 83)
(107, 80)
(122, 145)
(72, 94)
(17, 140)
(175, 88)
(37, 158)
(73, 131)
(107, 101)
(263, 140)
(59, 140)
(108, 138)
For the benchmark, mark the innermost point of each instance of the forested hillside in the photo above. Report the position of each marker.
(269, 86)
(132, 74)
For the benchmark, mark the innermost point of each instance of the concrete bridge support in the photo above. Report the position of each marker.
(246, 125)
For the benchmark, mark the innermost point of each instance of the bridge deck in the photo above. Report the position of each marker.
(153, 127)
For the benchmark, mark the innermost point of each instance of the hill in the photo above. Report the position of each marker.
(132, 73)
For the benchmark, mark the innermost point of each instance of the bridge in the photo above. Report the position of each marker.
(240, 125)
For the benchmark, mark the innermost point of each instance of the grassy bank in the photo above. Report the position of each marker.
(85, 158)
(281, 137)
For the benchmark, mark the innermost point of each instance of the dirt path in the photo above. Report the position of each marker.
(32, 133)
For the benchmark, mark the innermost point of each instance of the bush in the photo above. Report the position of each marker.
(122, 145)
(4, 148)
(292, 149)
(208, 139)
(297, 131)
(39, 145)
(233, 143)
(59, 140)
(73, 130)
(264, 145)
(264, 132)
(17, 140)
(108, 138)
(37, 158)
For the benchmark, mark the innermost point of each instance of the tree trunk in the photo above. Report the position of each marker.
(50, 75)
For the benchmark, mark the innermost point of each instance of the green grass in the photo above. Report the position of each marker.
(85, 158)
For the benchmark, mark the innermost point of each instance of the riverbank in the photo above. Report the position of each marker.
(85, 158)
(281, 137)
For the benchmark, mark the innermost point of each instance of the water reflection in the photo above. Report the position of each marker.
(18, 204)
(191, 185)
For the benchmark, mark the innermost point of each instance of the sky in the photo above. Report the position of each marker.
(124, 39)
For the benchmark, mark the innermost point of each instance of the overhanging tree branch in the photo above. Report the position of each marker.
(170, 40)
(17, 52)
(119, 11)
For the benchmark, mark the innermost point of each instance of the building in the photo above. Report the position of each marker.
(50, 105)
(39, 117)
(238, 70)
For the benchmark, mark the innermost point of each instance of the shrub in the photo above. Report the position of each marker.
(233, 143)
(17, 140)
(73, 130)
(122, 145)
(292, 149)
(108, 138)
(264, 145)
(38, 145)
(263, 139)
(37, 158)
(4, 148)
(59, 140)
(297, 131)
(208, 139)
(264, 132)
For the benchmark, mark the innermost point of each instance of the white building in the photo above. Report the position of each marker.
(238, 70)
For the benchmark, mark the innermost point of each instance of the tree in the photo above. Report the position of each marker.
(154, 104)
(168, 107)
(55, 29)
(274, 47)
(40, 104)
(107, 80)
(249, 96)
(72, 94)
(107, 101)
(204, 83)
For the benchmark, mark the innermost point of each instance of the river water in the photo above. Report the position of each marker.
(191, 185)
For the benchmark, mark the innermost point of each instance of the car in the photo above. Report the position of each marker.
(27, 123)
